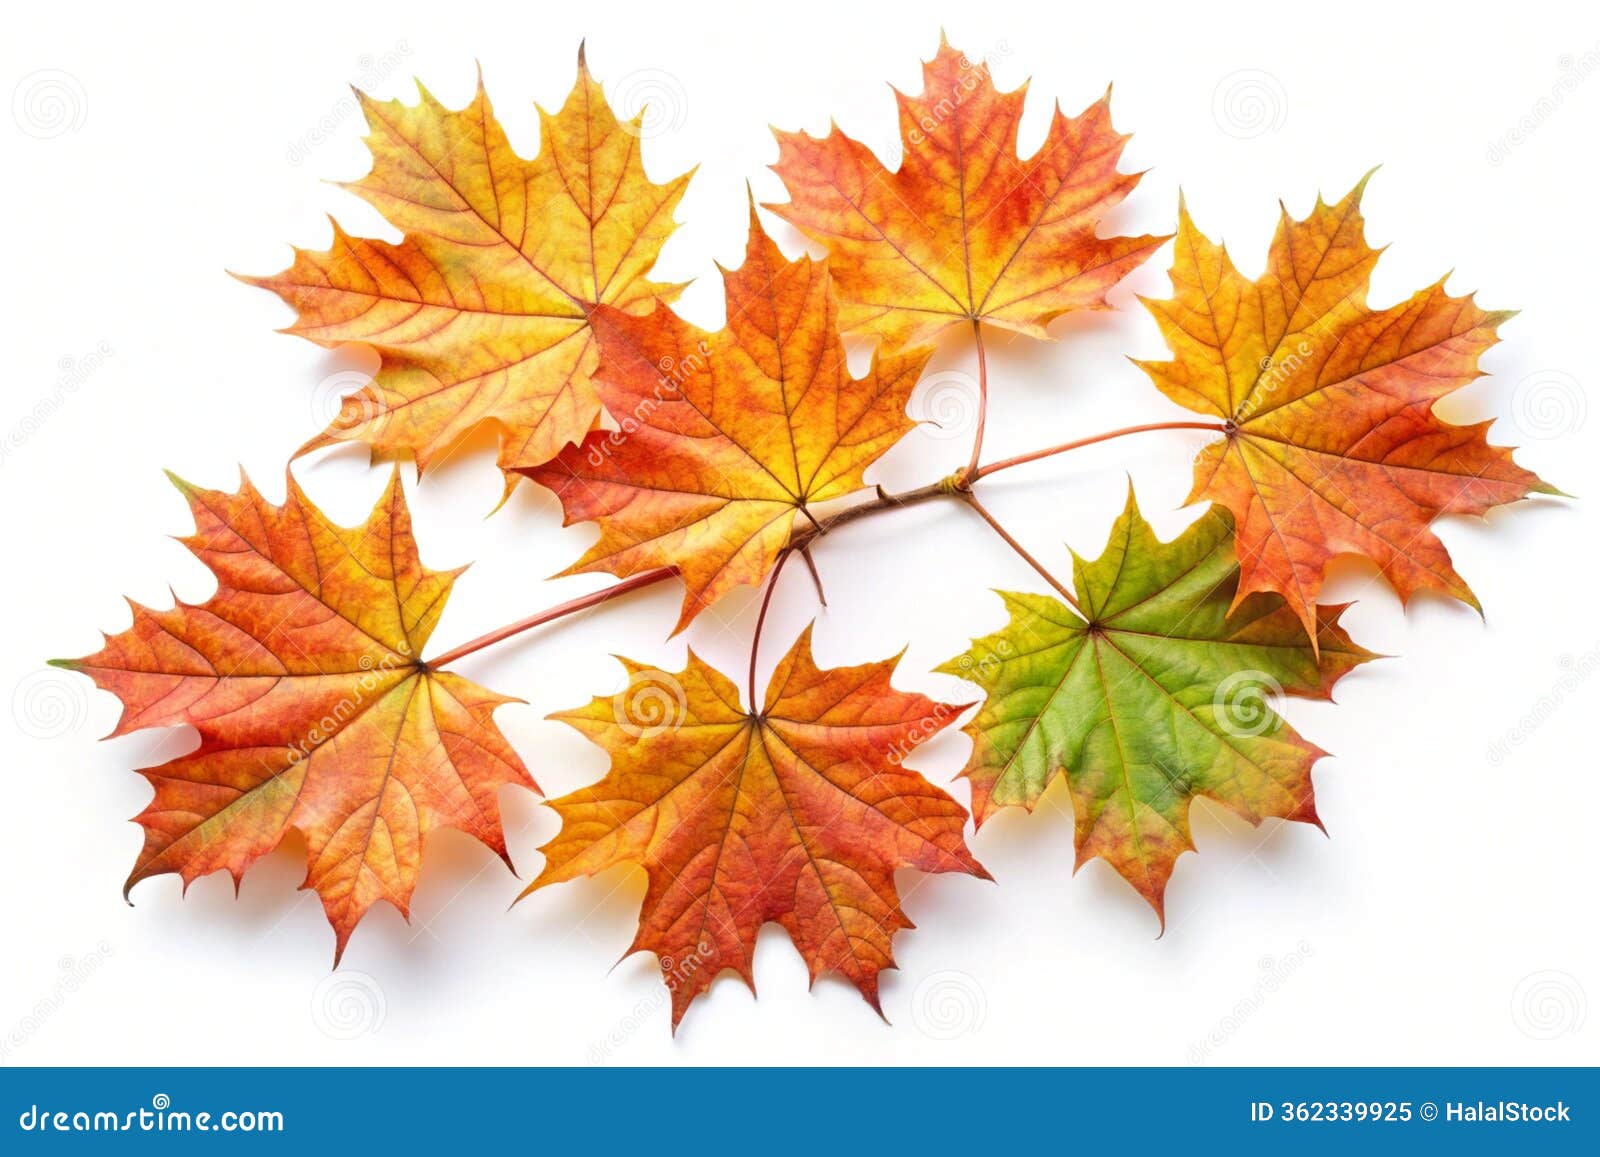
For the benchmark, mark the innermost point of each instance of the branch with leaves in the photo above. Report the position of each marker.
(518, 298)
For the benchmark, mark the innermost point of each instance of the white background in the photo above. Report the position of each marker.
(1449, 918)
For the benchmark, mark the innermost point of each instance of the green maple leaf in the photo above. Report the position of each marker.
(1157, 697)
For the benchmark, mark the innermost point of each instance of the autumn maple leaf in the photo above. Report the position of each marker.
(800, 815)
(303, 675)
(1332, 444)
(480, 315)
(964, 229)
(1156, 697)
(725, 438)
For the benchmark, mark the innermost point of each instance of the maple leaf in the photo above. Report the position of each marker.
(800, 815)
(303, 675)
(1158, 697)
(480, 315)
(727, 437)
(1332, 444)
(964, 229)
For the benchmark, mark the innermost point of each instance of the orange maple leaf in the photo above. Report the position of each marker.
(1332, 445)
(726, 437)
(480, 315)
(303, 675)
(964, 229)
(800, 815)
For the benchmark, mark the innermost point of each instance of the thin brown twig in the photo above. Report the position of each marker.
(1035, 455)
(816, 577)
(571, 606)
(882, 501)
(761, 619)
(800, 541)
(957, 486)
(971, 500)
(972, 472)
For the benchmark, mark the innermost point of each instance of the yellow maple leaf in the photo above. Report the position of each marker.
(481, 314)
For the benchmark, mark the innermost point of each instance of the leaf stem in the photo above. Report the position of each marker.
(761, 619)
(973, 472)
(570, 607)
(816, 578)
(971, 500)
(1035, 455)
